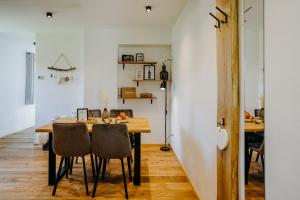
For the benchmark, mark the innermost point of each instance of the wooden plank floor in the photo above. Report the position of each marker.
(23, 175)
(255, 190)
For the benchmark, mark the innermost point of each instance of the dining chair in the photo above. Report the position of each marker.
(70, 140)
(116, 112)
(94, 113)
(129, 113)
(259, 148)
(111, 141)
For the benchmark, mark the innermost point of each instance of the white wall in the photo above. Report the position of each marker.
(54, 99)
(101, 70)
(194, 107)
(251, 70)
(282, 117)
(15, 115)
(253, 52)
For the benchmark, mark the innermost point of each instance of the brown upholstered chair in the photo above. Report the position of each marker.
(129, 113)
(70, 140)
(116, 112)
(259, 148)
(94, 113)
(111, 142)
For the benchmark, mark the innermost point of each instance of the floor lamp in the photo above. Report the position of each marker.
(164, 77)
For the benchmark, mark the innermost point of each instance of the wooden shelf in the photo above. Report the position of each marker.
(137, 81)
(137, 63)
(138, 98)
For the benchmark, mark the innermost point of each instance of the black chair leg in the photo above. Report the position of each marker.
(124, 178)
(96, 162)
(262, 161)
(96, 181)
(93, 166)
(100, 163)
(129, 168)
(67, 166)
(57, 177)
(104, 168)
(85, 176)
(131, 159)
(71, 165)
(76, 161)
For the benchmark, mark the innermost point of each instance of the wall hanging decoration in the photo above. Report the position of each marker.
(62, 56)
(61, 78)
(149, 72)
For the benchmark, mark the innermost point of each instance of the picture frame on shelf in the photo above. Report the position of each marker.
(127, 58)
(82, 114)
(149, 72)
(139, 57)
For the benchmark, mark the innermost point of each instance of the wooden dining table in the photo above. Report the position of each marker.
(135, 126)
(250, 128)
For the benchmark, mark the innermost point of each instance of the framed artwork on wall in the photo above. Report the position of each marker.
(139, 57)
(149, 72)
(82, 114)
(127, 58)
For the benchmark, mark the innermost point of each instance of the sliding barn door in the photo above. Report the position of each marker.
(228, 99)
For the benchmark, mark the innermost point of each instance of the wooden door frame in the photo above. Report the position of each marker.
(229, 100)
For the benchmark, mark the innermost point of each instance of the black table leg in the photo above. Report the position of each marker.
(51, 163)
(247, 160)
(137, 159)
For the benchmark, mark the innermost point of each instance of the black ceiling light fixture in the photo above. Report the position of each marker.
(49, 14)
(148, 8)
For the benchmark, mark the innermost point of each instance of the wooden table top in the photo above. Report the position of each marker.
(134, 125)
(253, 127)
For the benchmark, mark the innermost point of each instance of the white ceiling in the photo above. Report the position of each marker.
(70, 15)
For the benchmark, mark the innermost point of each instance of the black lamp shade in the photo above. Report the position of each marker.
(163, 85)
(49, 14)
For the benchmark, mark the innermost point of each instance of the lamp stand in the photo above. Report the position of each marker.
(165, 147)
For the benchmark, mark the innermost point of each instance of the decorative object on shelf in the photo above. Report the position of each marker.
(105, 114)
(146, 95)
(128, 58)
(165, 59)
(139, 74)
(128, 92)
(82, 114)
(139, 57)
(149, 72)
(164, 74)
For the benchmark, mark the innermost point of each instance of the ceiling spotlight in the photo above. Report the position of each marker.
(148, 8)
(49, 14)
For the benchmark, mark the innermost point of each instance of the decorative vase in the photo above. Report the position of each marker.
(105, 114)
